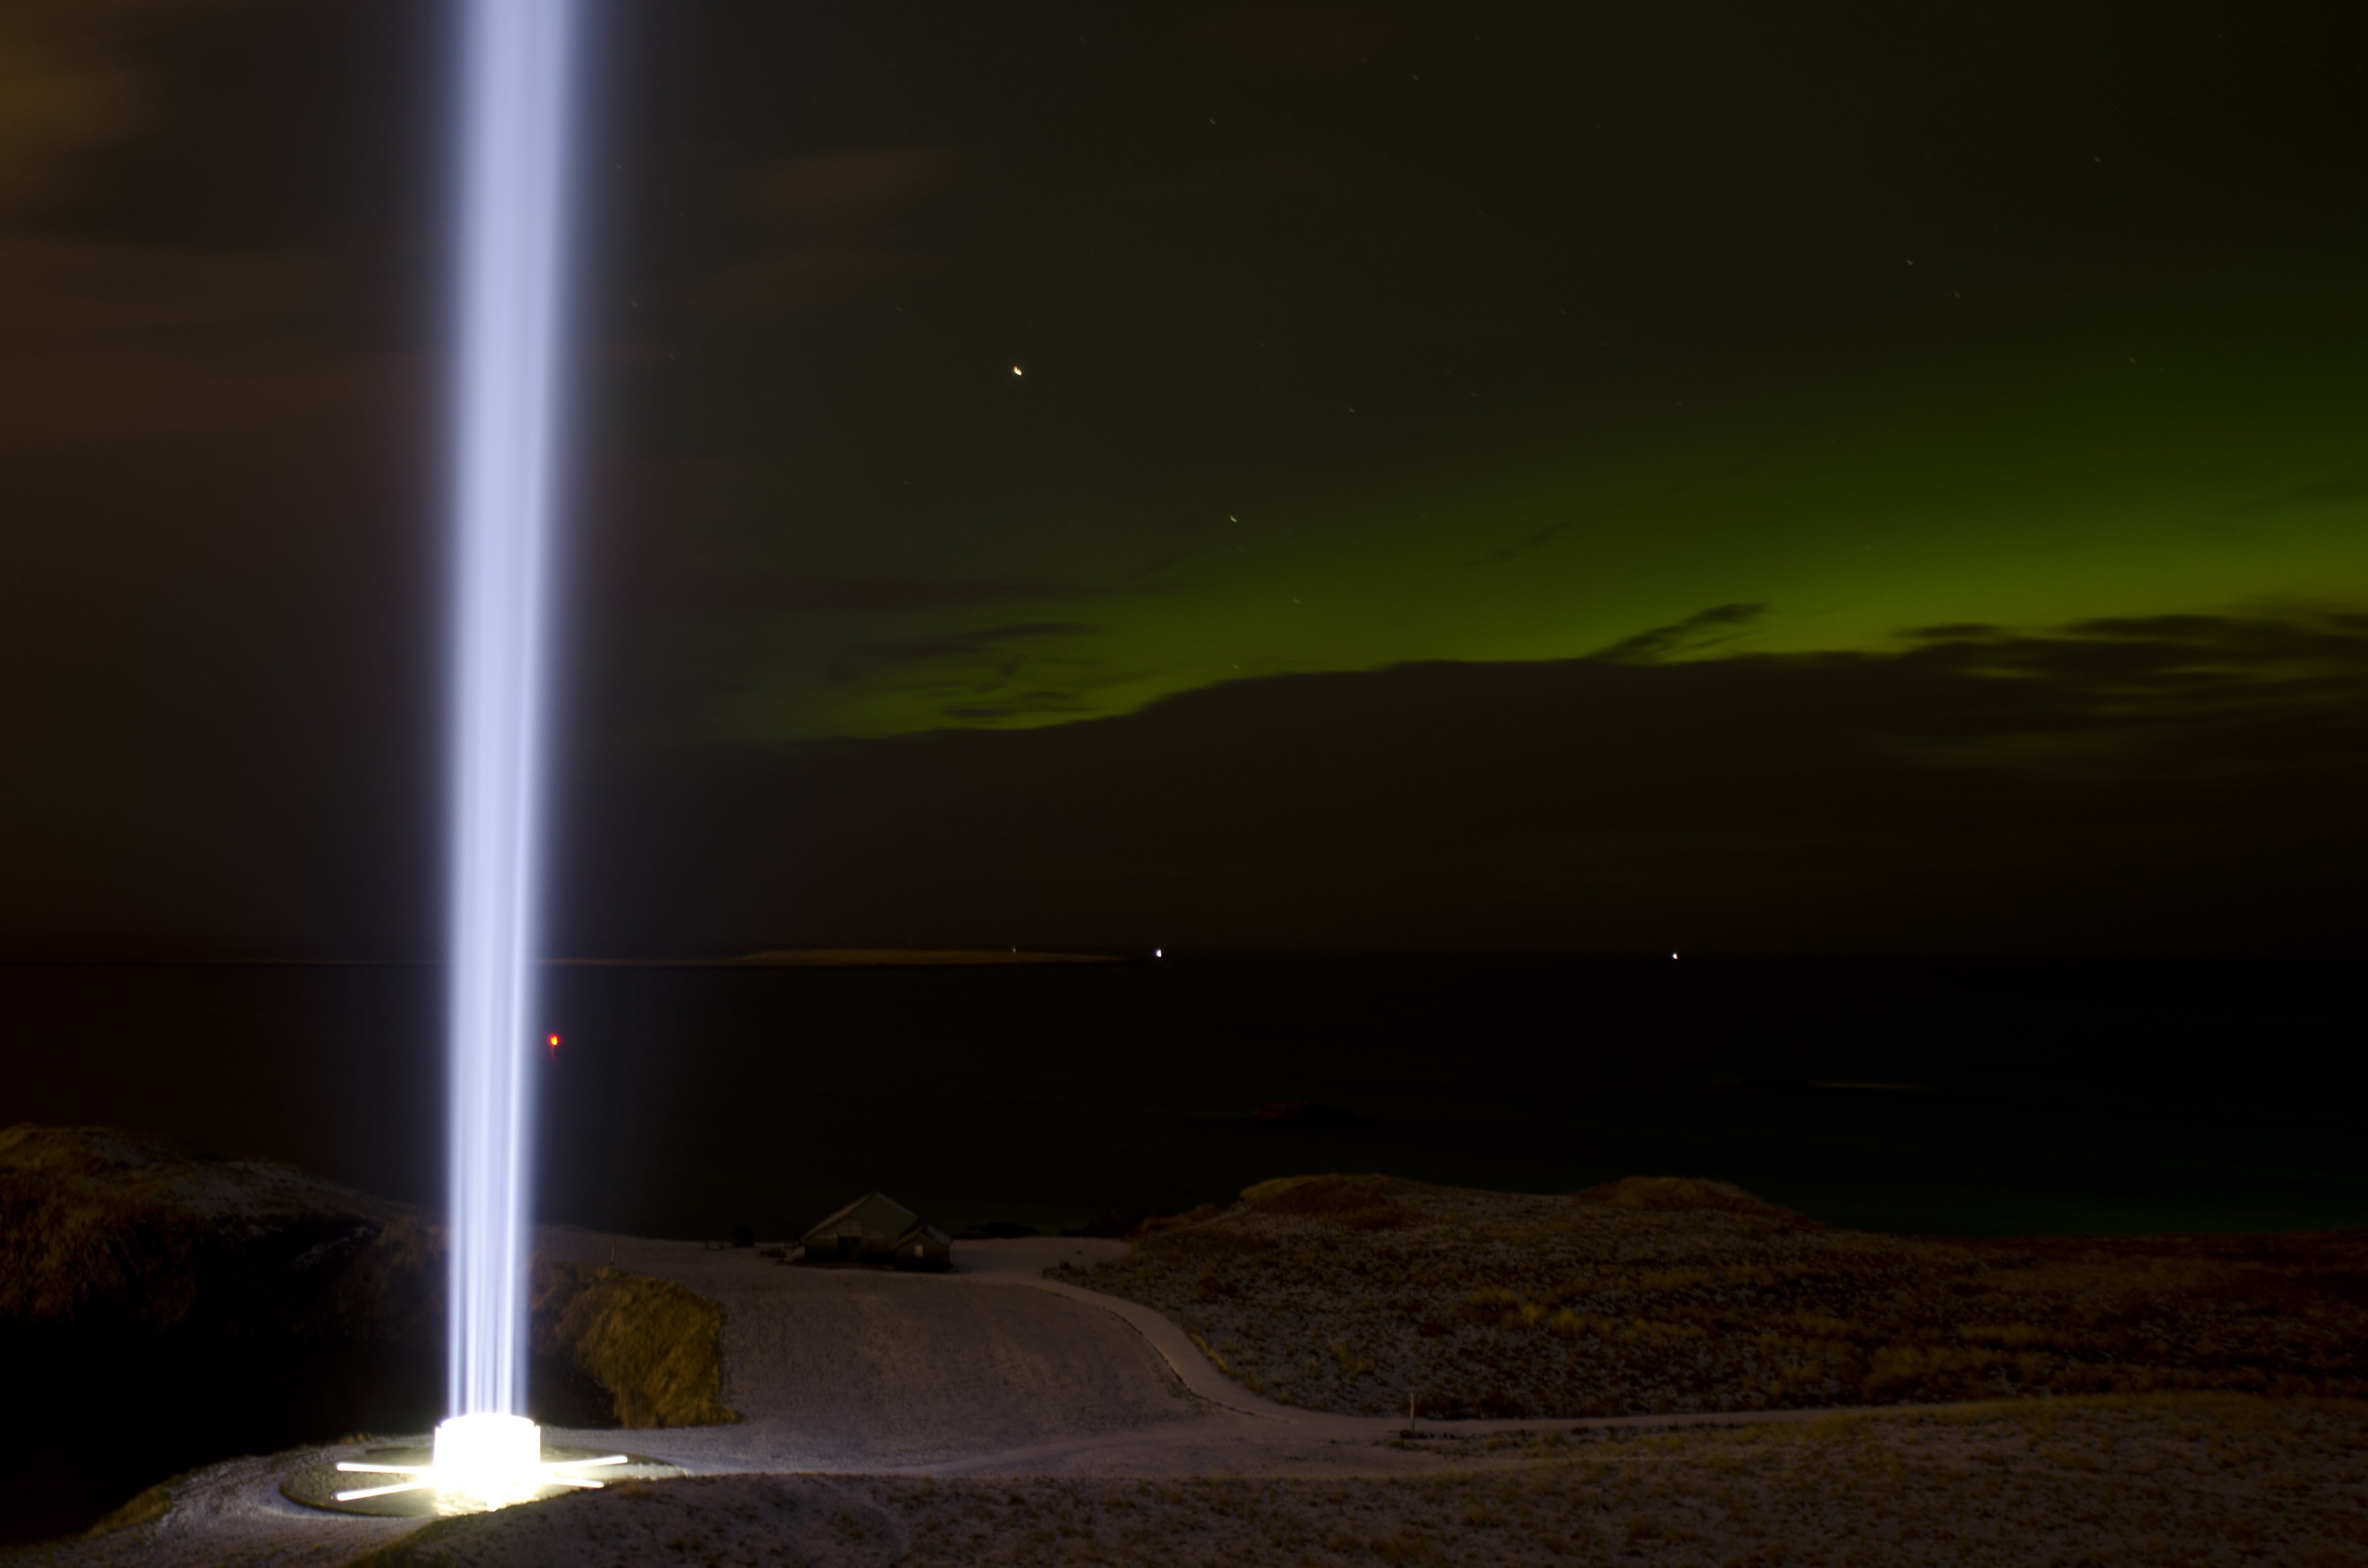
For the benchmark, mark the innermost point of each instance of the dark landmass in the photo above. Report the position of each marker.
(1356, 1293)
(1302, 1113)
(1132, 1225)
(1817, 1087)
(860, 958)
(161, 1309)
(996, 1230)
(917, 958)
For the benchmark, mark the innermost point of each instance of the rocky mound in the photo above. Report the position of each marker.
(101, 1228)
(1357, 1293)
(652, 1349)
(163, 1307)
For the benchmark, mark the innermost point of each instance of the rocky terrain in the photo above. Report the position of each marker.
(993, 1415)
(1356, 1293)
(163, 1308)
(2195, 1482)
(100, 1226)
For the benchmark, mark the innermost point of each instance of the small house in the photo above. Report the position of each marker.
(877, 1230)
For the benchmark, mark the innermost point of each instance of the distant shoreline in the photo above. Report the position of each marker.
(786, 958)
(866, 957)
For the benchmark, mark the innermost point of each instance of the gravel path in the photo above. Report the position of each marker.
(989, 1371)
(845, 1369)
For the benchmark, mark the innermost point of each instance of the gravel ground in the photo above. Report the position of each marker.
(834, 1371)
(2168, 1482)
(979, 1418)
(1351, 1294)
(856, 1368)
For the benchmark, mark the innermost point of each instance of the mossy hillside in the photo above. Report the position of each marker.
(654, 1347)
(112, 1239)
(99, 1227)
(1358, 1292)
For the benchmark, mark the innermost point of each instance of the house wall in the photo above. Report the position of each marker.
(934, 1256)
(879, 1250)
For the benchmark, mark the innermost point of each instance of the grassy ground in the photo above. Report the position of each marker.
(161, 1309)
(105, 1228)
(2182, 1481)
(1354, 1293)
(654, 1349)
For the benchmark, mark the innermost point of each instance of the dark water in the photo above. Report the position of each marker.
(2033, 1097)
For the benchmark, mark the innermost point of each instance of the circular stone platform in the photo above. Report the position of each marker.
(316, 1484)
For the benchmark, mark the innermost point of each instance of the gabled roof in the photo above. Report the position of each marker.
(874, 1214)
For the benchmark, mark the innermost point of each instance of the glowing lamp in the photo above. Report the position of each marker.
(488, 1456)
(482, 1461)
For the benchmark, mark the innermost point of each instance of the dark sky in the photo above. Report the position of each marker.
(1606, 477)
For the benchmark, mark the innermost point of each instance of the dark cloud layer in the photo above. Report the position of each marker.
(2182, 784)
(1353, 335)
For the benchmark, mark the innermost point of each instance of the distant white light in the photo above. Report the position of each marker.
(1016, 370)
(1157, 953)
(487, 1461)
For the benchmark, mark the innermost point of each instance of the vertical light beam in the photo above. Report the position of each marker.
(516, 58)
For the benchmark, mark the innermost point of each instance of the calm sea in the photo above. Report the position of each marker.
(1979, 1097)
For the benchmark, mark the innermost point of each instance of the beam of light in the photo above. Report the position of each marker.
(515, 58)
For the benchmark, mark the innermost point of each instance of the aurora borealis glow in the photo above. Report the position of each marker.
(2029, 485)
(1426, 348)
(1383, 365)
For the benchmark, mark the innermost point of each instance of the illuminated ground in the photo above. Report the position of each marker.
(989, 1416)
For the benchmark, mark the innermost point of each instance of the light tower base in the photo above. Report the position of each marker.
(475, 1464)
(496, 1458)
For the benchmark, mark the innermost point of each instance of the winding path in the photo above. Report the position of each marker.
(989, 1369)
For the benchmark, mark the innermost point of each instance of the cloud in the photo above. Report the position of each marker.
(66, 86)
(791, 592)
(108, 339)
(2186, 782)
(957, 648)
(1702, 629)
(1528, 543)
(1539, 539)
(1020, 705)
(838, 226)
(992, 674)
(115, 343)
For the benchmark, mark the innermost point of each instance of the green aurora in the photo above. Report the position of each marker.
(2156, 466)
(1330, 342)
(1482, 475)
